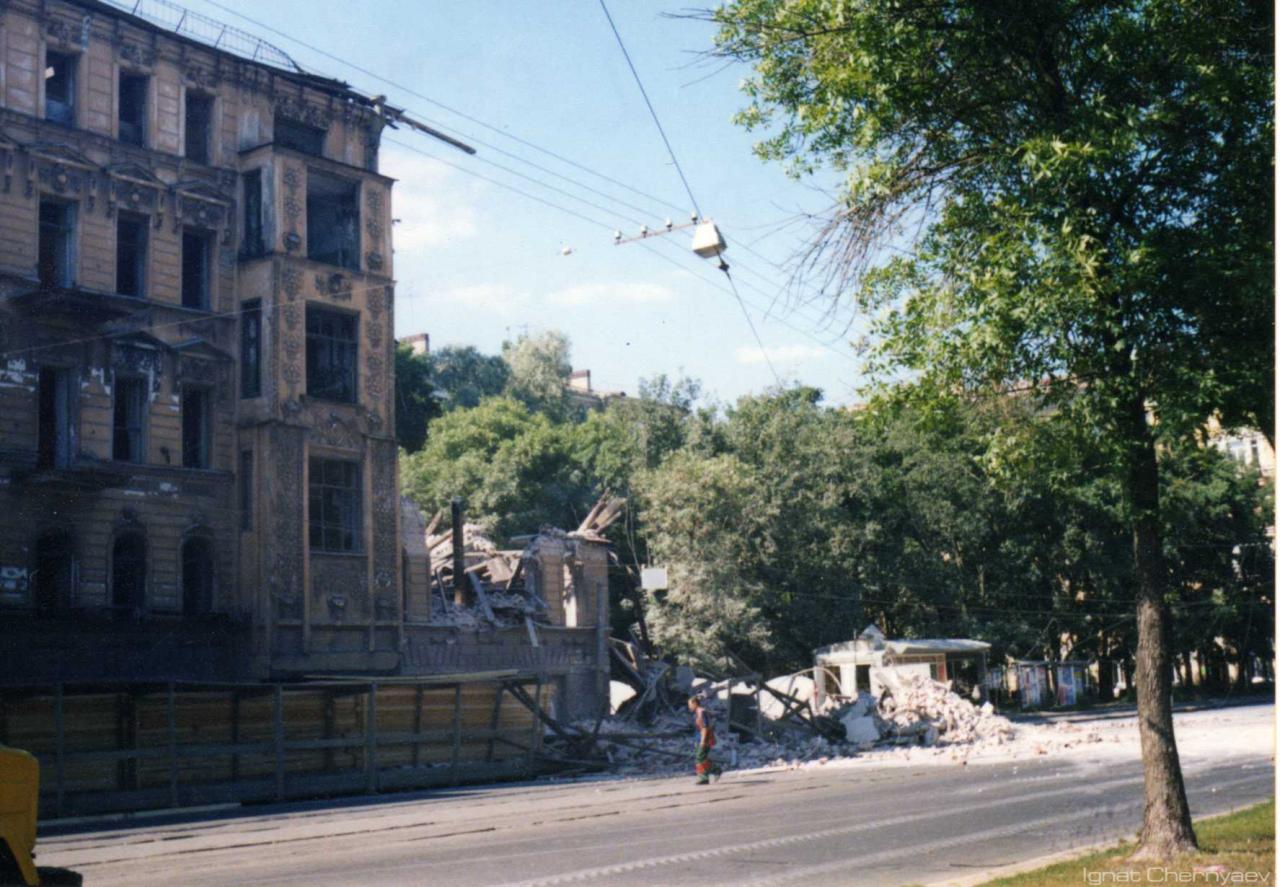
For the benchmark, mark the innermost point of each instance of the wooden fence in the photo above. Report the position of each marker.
(150, 746)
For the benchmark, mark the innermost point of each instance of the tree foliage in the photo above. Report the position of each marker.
(1079, 198)
(416, 401)
(465, 376)
(540, 370)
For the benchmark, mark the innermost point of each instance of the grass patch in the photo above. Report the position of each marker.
(1240, 842)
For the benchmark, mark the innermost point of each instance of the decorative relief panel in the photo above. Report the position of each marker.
(303, 112)
(292, 352)
(340, 588)
(374, 377)
(291, 282)
(285, 493)
(292, 206)
(335, 285)
(386, 540)
(136, 55)
(326, 426)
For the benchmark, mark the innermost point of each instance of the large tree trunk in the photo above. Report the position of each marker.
(1166, 822)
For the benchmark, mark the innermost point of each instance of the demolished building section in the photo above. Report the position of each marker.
(542, 608)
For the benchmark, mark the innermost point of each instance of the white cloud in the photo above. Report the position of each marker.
(612, 293)
(786, 354)
(495, 297)
(434, 207)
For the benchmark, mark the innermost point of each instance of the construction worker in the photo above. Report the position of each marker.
(703, 767)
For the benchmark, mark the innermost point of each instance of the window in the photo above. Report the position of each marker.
(128, 420)
(199, 110)
(246, 489)
(195, 427)
(133, 108)
(54, 420)
(195, 268)
(57, 227)
(298, 136)
(128, 574)
(333, 221)
(55, 572)
(253, 243)
(331, 355)
(251, 349)
(334, 505)
(60, 88)
(131, 254)
(197, 576)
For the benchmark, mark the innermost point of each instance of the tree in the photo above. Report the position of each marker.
(540, 371)
(466, 377)
(515, 469)
(416, 403)
(1078, 197)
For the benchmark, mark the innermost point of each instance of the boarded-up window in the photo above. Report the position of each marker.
(128, 574)
(197, 576)
(128, 420)
(199, 128)
(253, 243)
(251, 349)
(57, 225)
(334, 505)
(195, 427)
(331, 354)
(60, 88)
(196, 248)
(55, 572)
(131, 254)
(133, 108)
(54, 419)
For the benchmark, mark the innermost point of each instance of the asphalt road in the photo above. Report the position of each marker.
(827, 825)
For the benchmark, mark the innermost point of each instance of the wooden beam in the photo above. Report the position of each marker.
(457, 733)
(60, 750)
(171, 719)
(371, 740)
(235, 734)
(493, 722)
(278, 726)
(417, 724)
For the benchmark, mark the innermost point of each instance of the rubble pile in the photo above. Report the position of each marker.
(496, 588)
(792, 730)
(917, 707)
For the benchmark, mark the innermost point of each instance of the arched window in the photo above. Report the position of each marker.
(128, 573)
(55, 572)
(197, 576)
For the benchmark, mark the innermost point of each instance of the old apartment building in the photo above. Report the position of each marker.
(196, 455)
(198, 469)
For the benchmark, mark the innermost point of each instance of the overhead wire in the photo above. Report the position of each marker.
(755, 333)
(606, 226)
(355, 67)
(463, 114)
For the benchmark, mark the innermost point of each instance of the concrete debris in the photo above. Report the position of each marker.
(916, 706)
(915, 712)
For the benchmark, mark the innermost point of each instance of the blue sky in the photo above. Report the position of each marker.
(477, 263)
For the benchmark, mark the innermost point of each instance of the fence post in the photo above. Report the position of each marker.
(60, 751)
(371, 741)
(279, 735)
(457, 734)
(171, 719)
